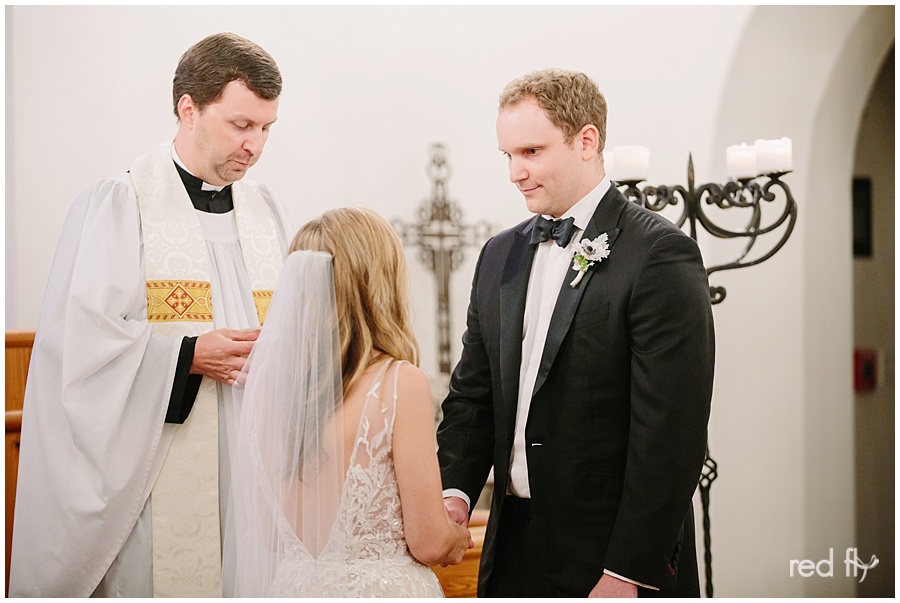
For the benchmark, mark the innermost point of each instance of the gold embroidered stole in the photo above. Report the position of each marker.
(187, 556)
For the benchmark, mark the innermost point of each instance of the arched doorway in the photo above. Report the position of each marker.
(874, 302)
(784, 429)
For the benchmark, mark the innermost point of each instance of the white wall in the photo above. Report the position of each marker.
(785, 418)
(367, 90)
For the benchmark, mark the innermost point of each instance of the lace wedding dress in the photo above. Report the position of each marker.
(314, 505)
(365, 554)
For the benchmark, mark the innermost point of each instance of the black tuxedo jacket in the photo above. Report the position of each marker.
(616, 432)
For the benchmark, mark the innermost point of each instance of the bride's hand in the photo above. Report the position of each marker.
(462, 543)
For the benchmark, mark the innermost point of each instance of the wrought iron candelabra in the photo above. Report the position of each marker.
(744, 193)
(761, 241)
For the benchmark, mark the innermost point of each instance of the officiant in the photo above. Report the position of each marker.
(586, 372)
(159, 284)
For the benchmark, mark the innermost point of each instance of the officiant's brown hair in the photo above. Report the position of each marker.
(371, 285)
(209, 65)
(570, 99)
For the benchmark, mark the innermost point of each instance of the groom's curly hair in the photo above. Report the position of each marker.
(570, 99)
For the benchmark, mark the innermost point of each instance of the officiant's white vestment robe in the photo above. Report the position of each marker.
(94, 437)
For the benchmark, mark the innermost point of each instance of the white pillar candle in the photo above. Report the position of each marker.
(632, 163)
(740, 161)
(773, 155)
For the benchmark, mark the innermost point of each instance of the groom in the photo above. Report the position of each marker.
(587, 391)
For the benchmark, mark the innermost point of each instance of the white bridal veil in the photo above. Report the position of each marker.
(288, 458)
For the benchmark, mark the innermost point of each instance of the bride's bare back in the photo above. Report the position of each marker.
(389, 521)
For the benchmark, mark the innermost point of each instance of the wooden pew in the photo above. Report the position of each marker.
(18, 356)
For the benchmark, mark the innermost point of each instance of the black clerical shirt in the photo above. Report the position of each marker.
(186, 385)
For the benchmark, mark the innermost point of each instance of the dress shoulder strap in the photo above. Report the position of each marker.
(394, 397)
(379, 391)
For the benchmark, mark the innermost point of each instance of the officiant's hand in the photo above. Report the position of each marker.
(221, 354)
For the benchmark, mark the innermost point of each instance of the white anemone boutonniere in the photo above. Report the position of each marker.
(587, 253)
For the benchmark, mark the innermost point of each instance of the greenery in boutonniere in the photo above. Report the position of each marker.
(587, 253)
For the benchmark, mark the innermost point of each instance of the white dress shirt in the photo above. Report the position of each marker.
(552, 265)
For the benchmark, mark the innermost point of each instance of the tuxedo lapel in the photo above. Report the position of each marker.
(604, 220)
(513, 292)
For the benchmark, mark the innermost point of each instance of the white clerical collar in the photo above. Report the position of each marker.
(584, 210)
(203, 187)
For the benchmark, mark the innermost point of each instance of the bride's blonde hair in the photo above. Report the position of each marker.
(371, 284)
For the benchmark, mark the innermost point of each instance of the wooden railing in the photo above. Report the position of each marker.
(18, 357)
(457, 580)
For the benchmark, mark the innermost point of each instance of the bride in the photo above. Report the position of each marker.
(336, 490)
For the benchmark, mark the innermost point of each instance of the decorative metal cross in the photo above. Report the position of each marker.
(441, 238)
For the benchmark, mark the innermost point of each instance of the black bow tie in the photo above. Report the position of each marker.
(560, 231)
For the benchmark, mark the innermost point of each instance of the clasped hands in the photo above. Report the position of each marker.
(607, 586)
(221, 354)
(458, 513)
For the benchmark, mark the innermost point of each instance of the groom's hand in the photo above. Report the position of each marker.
(610, 586)
(457, 510)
